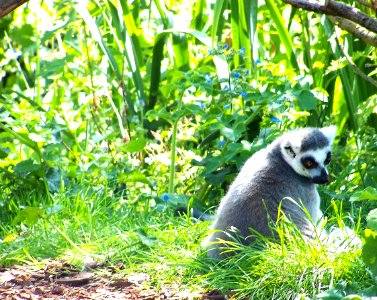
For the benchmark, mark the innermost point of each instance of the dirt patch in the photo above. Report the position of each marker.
(57, 280)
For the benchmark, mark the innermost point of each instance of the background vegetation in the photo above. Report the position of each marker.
(114, 113)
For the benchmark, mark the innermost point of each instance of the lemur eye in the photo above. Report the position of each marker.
(309, 163)
(328, 158)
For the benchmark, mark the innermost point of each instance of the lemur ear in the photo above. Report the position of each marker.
(290, 149)
(329, 132)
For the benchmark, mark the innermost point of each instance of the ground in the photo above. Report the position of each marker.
(58, 280)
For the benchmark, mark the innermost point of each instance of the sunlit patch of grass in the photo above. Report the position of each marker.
(167, 248)
(295, 268)
(93, 227)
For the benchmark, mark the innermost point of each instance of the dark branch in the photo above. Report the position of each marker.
(333, 8)
(6, 6)
(351, 13)
(356, 30)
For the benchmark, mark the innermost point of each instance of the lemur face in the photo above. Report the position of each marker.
(312, 164)
(309, 153)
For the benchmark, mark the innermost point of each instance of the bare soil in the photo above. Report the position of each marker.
(57, 280)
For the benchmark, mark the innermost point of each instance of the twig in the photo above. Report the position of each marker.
(6, 6)
(353, 65)
(333, 8)
(356, 30)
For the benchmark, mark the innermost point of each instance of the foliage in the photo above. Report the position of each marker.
(133, 108)
(294, 269)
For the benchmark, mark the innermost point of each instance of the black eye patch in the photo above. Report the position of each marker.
(328, 158)
(309, 162)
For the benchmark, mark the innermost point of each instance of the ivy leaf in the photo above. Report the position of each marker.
(26, 166)
(28, 216)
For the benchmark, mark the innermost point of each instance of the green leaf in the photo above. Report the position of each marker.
(54, 209)
(146, 240)
(28, 216)
(158, 56)
(217, 15)
(330, 295)
(53, 68)
(368, 193)
(54, 179)
(27, 166)
(372, 219)
(176, 199)
(369, 251)
(209, 138)
(284, 35)
(23, 35)
(218, 177)
(4, 152)
(163, 114)
(136, 145)
(305, 100)
(192, 109)
(36, 138)
(228, 133)
(232, 150)
(134, 176)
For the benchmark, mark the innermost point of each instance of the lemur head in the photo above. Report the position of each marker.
(308, 151)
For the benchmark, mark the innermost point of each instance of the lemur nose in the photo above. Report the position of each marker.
(323, 178)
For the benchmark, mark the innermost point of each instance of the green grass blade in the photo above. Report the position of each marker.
(96, 34)
(181, 52)
(158, 49)
(199, 17)
(236, 30)
(251, 19)
(217, 15)
(346, 76)
(284, 35)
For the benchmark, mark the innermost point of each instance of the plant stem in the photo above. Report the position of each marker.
(172, 157)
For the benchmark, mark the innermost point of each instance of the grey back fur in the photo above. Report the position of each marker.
(265, 181)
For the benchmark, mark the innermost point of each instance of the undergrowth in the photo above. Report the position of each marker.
(86, 226)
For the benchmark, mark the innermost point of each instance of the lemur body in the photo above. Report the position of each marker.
(284, 173)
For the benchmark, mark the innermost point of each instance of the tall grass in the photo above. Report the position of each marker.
(112, 230)
(295, 268)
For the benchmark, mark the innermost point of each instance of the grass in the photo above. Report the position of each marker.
(111, 229)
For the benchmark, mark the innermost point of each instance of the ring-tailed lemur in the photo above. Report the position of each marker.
(288, 169)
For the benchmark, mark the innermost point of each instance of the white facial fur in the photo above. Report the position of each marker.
(319, 156)
(291, 146)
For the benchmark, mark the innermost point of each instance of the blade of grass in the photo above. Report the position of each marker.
(96, 34)
(236, 30)
(158, 49)
(217, 14)
(346, 77)
(283, 33)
